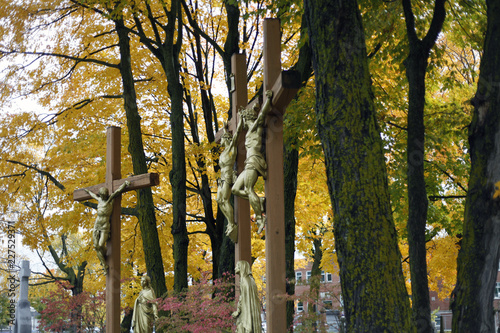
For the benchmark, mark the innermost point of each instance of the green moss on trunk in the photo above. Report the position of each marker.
(477, 269)
(373, 289)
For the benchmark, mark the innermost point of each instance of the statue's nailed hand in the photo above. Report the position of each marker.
(127, 183)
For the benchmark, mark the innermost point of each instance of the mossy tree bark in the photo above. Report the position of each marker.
(373, 288)
(472, 299)
(416, 66)
(145, 206)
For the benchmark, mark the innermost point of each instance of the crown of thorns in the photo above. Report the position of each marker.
(249, 113)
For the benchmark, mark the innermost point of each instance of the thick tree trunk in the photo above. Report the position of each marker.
(373, 288)
(472, 299)
(416, 66)
(171, 66)
(145, 206)
(417, 194)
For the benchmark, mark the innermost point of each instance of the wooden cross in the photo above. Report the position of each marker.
(284, 85)
(113, 181)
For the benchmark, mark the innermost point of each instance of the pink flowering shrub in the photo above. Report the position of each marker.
(63, 312)
(200, 309)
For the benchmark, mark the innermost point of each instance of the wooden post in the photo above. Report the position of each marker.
(243, 248)
(113, 255)
(284, 85)
(275, 229)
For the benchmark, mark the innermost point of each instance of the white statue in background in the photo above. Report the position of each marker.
(247, 313)
(145, 308)
(255, 164)
(227, 177)
(102, 224)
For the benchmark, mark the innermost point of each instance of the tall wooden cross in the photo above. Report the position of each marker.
(113, 181)
(284, 85)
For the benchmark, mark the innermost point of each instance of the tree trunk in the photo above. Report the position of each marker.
(170, 54)
(416, 66)
(472, 299)
(145, 206)
(290, 168)
(315, 282)
(373, 287)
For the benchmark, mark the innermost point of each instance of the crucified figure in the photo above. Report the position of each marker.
(227, 177)
(255, 164)
(102, 226)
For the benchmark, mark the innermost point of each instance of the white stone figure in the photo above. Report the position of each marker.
(227, 177)
(145, 309)
(102, 226)
(255, 164)
(247, 313)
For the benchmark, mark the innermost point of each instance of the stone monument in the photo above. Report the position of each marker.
(23, 313)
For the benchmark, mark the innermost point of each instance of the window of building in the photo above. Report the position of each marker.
(326, 277)
(308, 275)
(298, 276)
(433, 298)
(328, 305)
(497, 290)
(300, 307)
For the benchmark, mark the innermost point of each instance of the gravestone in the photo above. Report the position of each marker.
(23, 313)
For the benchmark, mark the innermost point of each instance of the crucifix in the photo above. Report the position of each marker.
(112, 184)
(283, 85)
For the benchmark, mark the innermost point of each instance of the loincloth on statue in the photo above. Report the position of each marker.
(258, 163)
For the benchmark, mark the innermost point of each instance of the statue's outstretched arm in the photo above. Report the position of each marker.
(119, 190)
(268, 105)
(92, 194)
(236, 136)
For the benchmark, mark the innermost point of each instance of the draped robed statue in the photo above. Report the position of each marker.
(247, 313)
(145, 309)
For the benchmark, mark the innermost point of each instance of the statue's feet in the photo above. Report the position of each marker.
(232, 232)
(261, 222)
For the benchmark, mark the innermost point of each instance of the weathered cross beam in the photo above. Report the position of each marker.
(284, 85)
(113, 181)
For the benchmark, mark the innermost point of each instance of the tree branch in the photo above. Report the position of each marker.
(436, 25)
(44, 173)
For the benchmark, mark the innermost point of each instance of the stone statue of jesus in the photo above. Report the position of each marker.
(227, 177)
(255, 164)
(102, 226)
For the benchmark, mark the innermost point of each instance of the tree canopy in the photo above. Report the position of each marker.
(161, 71)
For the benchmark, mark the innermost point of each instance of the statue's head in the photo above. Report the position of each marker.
(226, 138)
(250, 114)
(242, 268)
(145, 281)
(103, 192)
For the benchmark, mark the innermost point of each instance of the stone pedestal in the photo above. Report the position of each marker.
(23, 313)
